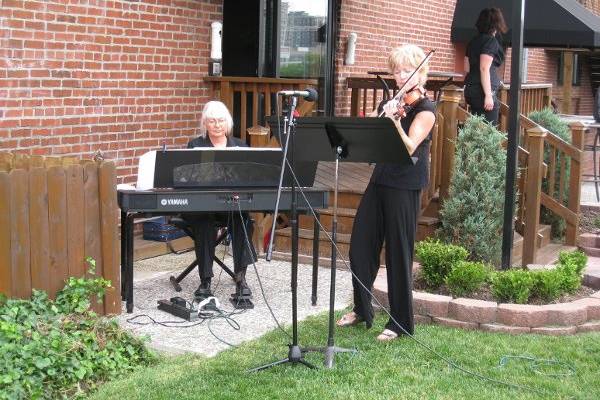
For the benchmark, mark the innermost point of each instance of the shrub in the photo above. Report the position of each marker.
(466, 277)
(437, 259)
(570, 267)
(547, 284)
(512, 285)
(58, 349)
(472, 215)
(549, 120)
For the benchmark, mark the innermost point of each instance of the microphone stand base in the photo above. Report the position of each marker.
(295, 356)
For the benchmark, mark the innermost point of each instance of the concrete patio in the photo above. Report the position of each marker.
(152, 283)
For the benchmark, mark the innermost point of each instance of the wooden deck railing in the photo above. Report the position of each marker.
(55, 212)
(251, 99)
(366, 93)
(533, 170)
(534, 97)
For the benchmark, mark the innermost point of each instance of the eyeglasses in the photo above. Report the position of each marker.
(403, 72)
(215, 121)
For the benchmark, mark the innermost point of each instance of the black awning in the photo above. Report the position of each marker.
(548, 23)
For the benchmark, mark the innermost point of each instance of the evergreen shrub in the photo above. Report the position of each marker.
(472, 215)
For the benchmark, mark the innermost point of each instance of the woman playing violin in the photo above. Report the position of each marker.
(390, 205)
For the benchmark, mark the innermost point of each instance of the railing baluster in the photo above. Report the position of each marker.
(577, 133)
(552, 171)
(560, 196)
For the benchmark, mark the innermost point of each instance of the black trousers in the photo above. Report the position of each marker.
(475, 98)
(390, 215)
(205, 228)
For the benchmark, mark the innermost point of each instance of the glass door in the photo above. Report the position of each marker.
(302, 44)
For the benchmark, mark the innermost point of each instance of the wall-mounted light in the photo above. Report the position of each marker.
(350, 48)
(214, 65)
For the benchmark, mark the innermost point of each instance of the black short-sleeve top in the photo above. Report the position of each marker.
(408, 177)
(205, 142)
(484, 44)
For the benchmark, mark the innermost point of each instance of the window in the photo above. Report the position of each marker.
(303, 47)
(576, 79)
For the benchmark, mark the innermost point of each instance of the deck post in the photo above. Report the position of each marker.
(448, 107)
(533, 191)
(577, 132)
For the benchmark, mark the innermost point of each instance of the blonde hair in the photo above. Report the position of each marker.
(215, 109)
(409, 55)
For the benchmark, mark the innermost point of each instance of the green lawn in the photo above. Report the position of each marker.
(397, 370)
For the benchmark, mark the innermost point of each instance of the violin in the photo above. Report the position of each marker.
(405, 104)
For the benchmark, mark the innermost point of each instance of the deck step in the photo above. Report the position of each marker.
(143, 249)
(345, 218)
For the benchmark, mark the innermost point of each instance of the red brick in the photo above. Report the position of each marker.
(470, 310)
(513, 330)
(566, 314)
(432, 305)
(555, 331)
(521, 315)
(455, 323)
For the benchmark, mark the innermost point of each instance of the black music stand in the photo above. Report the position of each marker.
(349, 140)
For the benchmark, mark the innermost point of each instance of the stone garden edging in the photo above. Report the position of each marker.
(581, 315)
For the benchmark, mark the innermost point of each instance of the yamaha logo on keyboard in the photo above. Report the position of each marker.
(174, 202)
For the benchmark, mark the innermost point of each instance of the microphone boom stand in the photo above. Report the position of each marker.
(295, 353)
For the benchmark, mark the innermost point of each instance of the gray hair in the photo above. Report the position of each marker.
(215, 109)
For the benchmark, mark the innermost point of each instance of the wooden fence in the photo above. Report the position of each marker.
(54, 213)
(252, 99)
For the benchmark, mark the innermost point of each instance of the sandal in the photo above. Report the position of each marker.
(387, 335)
(349, 319)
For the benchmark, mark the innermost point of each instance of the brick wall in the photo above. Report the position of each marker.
(428, 25)
(111, 75)
(125, 76)
(592, 5)
(382, 25)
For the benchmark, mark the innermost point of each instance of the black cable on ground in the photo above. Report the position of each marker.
(262, 291)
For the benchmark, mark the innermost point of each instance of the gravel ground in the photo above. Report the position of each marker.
(210, 337)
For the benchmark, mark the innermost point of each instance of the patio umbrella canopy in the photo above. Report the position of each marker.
(548, 23)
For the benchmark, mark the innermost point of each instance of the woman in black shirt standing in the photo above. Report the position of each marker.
(484, 56)
(390, 206)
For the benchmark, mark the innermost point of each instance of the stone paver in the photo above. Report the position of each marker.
(592, 326)
(471, 310)
(433, 305)
(555, 331)
(453, 323)
(521, 315)
(513, 330)
(565, 314)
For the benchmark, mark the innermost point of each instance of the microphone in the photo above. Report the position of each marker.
(309, 94)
